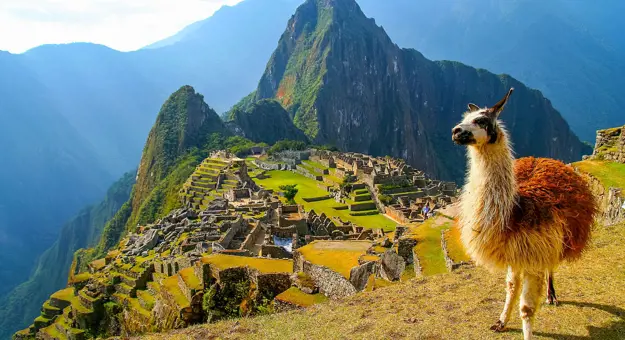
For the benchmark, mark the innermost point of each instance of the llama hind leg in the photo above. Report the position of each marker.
(551, 290)
(533, 285)
(513, 282)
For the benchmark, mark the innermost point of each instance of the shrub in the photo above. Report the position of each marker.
(289, 191)
(386, 199)
(287, 145)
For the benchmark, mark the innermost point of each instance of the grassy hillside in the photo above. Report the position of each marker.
(609, 173)
(464, 304)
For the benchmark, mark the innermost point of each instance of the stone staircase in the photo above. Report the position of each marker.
(208, 181)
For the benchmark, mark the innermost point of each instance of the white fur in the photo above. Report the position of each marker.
(480, 134)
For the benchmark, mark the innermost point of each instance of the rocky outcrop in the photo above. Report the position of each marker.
(346, 83)
(610, 145)
(391, 266)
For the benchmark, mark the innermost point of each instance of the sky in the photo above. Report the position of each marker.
(124, 25)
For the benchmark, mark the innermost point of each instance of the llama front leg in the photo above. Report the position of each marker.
(533, 285)
(513, 281)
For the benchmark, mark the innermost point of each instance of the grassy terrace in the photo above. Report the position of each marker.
(171, 284)
(609, 173)
(455, 249)
(296, 297)
(67, 294)
(337, 255)
(428, 248)
(308, 188)
(53, 332)
(222, 261)
(189, 277)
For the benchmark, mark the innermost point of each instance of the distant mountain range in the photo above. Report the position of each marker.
(76, 116)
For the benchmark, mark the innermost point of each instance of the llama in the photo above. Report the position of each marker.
(525, 216)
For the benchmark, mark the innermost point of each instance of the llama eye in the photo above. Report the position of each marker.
(481, 121)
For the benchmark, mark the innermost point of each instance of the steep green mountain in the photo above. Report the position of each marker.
(264, 121)
(184, 132)
(52, 268)
(347, 84)
(184, 122)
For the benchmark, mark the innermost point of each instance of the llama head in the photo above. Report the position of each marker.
(479, 125)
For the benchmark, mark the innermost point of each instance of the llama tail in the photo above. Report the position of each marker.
(551, 290)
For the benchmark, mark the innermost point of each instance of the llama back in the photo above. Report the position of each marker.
(550, 192)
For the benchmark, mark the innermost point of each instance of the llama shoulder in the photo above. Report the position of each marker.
(545, 186)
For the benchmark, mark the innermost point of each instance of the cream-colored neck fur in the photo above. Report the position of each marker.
(491, 189)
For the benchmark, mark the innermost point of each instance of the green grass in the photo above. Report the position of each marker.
(66, 294)
(171, 284)
(41, 318)
(147, 297)
(609, 173)
(308, 188)
(455, 248)
(428, 248)
(340, 256)
(189, 277)
(263, 265)
(295, 296)
(316, 165)
(54, 333)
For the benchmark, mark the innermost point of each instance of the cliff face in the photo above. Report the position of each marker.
(265, 121)
(346, 83)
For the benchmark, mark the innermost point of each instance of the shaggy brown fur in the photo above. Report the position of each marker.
(548, 190)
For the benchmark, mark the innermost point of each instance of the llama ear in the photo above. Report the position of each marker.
(497, 108)
(472, 107)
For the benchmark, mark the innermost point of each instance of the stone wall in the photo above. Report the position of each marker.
(236, 226)
(330, 283)
(610, 201)
(449, 262)
(362, 206)
(275, 252)
(250, 240)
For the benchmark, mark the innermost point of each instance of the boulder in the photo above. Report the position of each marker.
(359, 275)
(391, 266)
(404, 249)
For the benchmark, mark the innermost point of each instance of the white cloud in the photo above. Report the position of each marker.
(124, 25)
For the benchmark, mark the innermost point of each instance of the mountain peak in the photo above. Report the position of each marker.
(346, 83)
(184, 122)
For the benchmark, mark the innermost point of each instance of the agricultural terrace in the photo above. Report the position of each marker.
(340, 256)
(309, 188)
(610, 174)
(296, 297)
(263, 265)
(429, 249)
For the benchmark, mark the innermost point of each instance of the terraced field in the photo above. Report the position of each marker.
(310, 188)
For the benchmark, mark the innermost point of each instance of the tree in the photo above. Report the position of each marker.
(289, 191)
(348, 180)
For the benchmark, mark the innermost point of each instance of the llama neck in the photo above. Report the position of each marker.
(491, 190)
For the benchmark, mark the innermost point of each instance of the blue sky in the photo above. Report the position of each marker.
(124, 25)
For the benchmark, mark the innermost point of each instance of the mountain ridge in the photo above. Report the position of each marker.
(346, 83)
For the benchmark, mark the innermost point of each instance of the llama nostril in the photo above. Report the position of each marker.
(456, 130)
